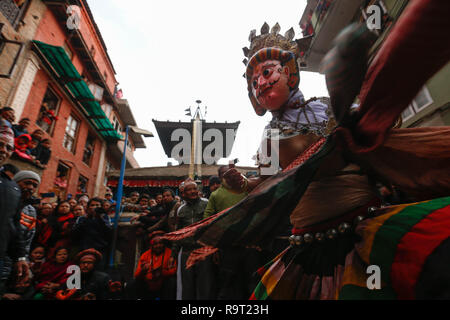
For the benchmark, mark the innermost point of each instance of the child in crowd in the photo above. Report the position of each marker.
(22, 127)
(37, 259)
(21, 144)
(54, 275)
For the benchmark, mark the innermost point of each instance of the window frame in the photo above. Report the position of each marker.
(74, 141)
(51, 130)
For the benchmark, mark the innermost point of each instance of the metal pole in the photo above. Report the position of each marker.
(119, 200)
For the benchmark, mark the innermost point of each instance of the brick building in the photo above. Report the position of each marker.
(58, 74)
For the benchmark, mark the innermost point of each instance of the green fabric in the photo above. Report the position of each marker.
(78, 88)
(222, 199)
(392, 231)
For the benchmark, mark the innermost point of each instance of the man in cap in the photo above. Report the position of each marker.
(28, 182)
(10, 216)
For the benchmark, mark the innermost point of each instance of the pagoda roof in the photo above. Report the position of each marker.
(166, 128)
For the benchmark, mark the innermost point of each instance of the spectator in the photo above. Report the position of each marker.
(237, 265)
(198, 282)
(64, 223)
(10, 217)
(109, 198)
(73, 202)
(152, 202)
(93, 281)
(84, 199)
(158, 219)
(45, 226)
(53, 275)
(94, 230)
(171, 220)
(32, 149)
(37, 259)
(19, 289)
(10, 170)
(22, 127)
(43, 153)
(38, 134)
(154, 275)
(8, 116)
(21, 145)
(78, 211)
(28, 182)
(214, 184)
(159, 199)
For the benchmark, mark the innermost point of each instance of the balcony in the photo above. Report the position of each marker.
(324, 19)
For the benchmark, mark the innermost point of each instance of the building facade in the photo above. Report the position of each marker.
(56, 71)
(321, 22)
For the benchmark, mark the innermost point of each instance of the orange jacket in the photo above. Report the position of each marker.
(158, 268)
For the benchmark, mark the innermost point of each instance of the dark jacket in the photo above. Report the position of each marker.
(96, 282)
(188, 213)
(12, 243)
(92, 232)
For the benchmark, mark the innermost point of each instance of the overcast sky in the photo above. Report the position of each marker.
(168, 54)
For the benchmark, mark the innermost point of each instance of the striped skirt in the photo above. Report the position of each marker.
(396, 252)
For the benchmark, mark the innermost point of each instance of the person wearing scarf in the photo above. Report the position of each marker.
(156, 270)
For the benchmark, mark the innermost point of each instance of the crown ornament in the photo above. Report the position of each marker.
(270, 37)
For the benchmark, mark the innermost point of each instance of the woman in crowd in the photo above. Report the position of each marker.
(53, 275)
(64, 222)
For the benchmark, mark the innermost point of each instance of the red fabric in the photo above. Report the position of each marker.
(306, 154)
(52, 272)
(415, 247)
(43, 232)
(199, 254)
(151, 183)
(416, 48)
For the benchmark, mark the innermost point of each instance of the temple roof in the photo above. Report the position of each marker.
(165, 130)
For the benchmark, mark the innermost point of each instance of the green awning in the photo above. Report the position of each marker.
(77, 87)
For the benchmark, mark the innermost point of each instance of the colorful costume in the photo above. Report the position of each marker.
(339, 229)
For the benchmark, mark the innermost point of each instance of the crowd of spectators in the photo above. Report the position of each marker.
(42, 240)
(30, 147)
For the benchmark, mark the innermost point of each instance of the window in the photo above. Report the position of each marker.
(82, 184)
(116, 125)
(48, 112)
(14, 10)
(70, 134)
(420, 102)
(107, 109)
(97, 91)
(88, 149)
(60, 182)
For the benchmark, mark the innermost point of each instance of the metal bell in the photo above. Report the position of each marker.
(298, 240)
(331, 234)
(344, 227)
(292, 240)
(308, 238)
(320, 236)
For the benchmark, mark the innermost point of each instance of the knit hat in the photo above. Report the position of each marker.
(89, 252)
(25, 174)
(7, 133)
